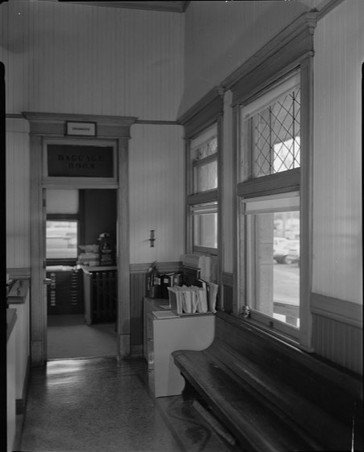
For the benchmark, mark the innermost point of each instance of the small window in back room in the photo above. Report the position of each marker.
(61, 239)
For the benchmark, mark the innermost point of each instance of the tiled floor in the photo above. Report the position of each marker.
(95, 405)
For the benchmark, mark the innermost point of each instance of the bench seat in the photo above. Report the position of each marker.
(272, 396)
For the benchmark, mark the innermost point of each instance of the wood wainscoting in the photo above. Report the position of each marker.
(337, 331)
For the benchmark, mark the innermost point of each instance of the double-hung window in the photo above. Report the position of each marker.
(202, 195)
(269, 205)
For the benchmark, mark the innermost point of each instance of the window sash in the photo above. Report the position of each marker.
(261, 294)
(271, 146)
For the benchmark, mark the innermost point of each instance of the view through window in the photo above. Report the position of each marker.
(61, 239)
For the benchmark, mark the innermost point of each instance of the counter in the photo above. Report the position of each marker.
(11, 319)
(19, 301)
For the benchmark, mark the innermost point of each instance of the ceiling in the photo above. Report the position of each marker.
(177, 7)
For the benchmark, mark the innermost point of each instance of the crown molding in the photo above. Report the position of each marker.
(286, 49)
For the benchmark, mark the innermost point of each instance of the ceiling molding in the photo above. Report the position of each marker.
(167, 6)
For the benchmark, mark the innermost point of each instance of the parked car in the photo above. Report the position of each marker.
(286, 251)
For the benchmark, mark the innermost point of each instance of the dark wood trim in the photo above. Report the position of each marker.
(284, 51)
(271, 184)
(203, 197)
(53, 124)
(157, 122)
(173, 7)
(63, 216)
(162, 267)
(329, 6)
(202, 114)
(306, 201)
(339, 310)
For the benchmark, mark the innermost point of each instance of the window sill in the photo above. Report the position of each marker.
(260, 328)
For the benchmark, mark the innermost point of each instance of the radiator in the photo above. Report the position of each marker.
(100, 291)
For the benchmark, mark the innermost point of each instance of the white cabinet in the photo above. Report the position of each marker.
(164, 335)
(10, 377)
(18, 299)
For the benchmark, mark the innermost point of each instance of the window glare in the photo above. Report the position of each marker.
(206, 177)
(61, 239)
(205, 225)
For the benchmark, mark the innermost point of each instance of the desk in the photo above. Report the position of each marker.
(162, 336)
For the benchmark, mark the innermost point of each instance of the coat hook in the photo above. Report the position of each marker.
(152, 238)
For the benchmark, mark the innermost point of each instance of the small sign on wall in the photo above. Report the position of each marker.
(65, 160)
(77, 128)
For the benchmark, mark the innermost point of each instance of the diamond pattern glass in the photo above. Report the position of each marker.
(276, 136)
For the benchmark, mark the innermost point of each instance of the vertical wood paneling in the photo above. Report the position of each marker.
(338, 342)
(337, 201)
(137, 293)
(85, 59)
(17, 194)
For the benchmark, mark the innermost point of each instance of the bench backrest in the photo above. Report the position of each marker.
(333, 390)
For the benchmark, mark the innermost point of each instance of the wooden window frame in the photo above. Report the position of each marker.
(291, 49)
(207, 112)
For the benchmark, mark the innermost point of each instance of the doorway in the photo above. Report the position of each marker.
(81, 321)
(48, 128)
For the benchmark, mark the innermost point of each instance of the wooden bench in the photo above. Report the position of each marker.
(272, 396)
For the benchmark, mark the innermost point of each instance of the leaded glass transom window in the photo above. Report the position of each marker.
(272, 128)
(276, 135)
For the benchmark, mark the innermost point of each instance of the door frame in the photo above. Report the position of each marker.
(44, 126)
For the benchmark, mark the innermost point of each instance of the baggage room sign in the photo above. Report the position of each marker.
(80, 160)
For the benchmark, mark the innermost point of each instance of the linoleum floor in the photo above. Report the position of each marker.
(98, 405)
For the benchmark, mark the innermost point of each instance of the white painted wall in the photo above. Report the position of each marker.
(156, 171)
(337, 227)
(17, 194)
(71, 58)
(220, 36)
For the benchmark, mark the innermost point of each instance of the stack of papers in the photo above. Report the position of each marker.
(188, 300)
(164, 314)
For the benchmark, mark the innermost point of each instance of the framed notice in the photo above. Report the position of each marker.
(78, 128)
(79, 161)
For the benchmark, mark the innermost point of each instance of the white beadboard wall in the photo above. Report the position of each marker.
(156, 172)
(337, 203)
(337, 226)
(73, 58)
(17, 194)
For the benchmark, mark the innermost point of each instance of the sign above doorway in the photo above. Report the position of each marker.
(65, 160)
(77, 128)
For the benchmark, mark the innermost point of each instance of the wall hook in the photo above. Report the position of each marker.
(152, 238)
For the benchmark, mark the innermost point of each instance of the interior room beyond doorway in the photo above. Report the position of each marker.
(82, 278)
